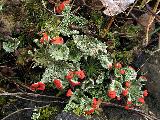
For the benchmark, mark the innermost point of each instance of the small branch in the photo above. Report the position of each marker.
(24, 95)
(21, 110)
(158, 12)
(132, 7)
(10, 79)
(40, 101)
(108, 26)
(150, 22)
(153, 13)
(135, 18)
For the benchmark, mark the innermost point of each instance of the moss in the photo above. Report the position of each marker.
(131, 31)
(2, 101)
(125, 56)
(48, 112)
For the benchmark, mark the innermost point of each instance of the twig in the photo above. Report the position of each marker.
(150, 21)
(24, 95)
(108, 26)
(10, 79)
(132, 7)
(153, 13)
(28, 94)
(158, 12)
(155, 31)
(134, 17)
(140, 10)
(40, 101)
(22, 110)
(22, 85)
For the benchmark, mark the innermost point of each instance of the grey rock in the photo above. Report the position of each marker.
(68, 116)
(151, 66)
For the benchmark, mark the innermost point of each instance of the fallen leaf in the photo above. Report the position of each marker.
(114, 7)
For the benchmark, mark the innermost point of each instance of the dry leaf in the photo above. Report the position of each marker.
(114, 7)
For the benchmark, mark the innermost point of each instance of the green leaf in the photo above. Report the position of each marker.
(56, 70)
(59, 52)
(89, 46)
(11, 46)
(69, 19)
(105, 60)
(100, 78)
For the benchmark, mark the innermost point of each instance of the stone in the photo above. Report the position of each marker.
(150, 63)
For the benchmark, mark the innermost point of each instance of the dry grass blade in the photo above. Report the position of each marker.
(132, 7)
(144, 2)
(150, 22)
(106, 29)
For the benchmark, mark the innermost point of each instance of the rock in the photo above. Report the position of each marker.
(109, 113)
(151, 66)
(68, 116)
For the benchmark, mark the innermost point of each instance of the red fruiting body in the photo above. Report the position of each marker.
(90, 111)
(118, 65)
(58, 84)
(67, 1)
(34, 86)
(141, 100)
(80, 74)
(118, 98)
(127, 84)
(38, 86)
(125, 92)
(69, 93)
(41, 86)
(44, 38)
(57, 10)
(131, 67)
(57, 40)
(111, 94)
(129, 102)
(60, 8)
(145, 93)
(70, 75)
(126, 107)
(94, 103)
(109, 65)
(122, 72)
